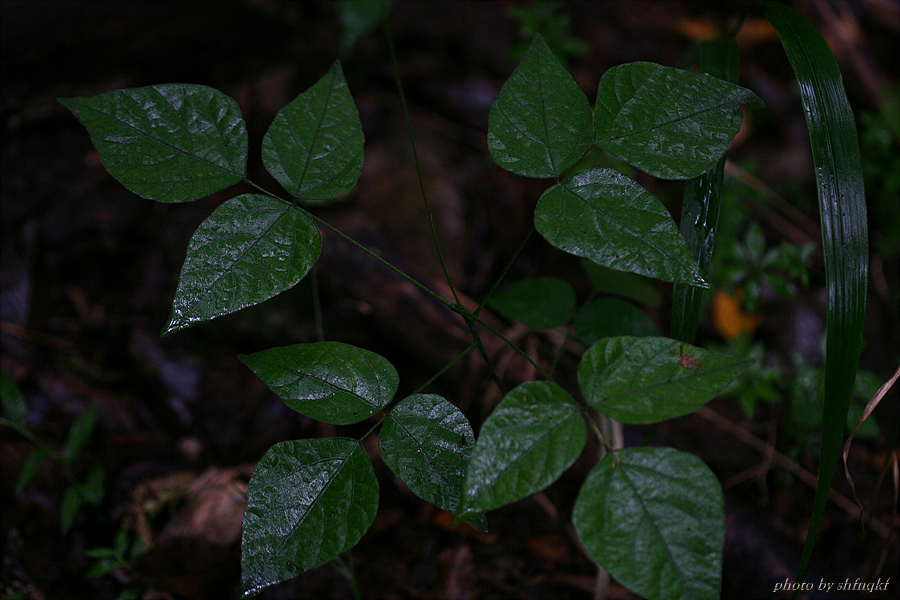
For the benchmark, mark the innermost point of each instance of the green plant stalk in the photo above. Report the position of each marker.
(700, 206)
(836, 156)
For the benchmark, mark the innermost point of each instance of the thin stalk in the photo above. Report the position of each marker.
(317, 303)
(506, 269)
(446, 367)
(346, 569)
(415, 153)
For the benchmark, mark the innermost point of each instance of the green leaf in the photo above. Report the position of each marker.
(93, 488)
(249, 249)
(69, 505)
(308, 501)
(700, 207)
(358, 17)
(667, 122)
(328, 381)
(170, 143)
(314, 147)
(654, 518)
(651, 379)
(13, 401)
(610, 317)
(540, 124)
(78, 435)
(540, 303)
(604, 216)
(627, 285)
(845, 238)
(31, 467)
(427, 442)
(535, 433)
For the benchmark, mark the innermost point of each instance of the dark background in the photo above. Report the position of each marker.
(88, 272)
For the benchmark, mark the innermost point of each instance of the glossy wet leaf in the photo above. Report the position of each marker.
(540, 124)
(327, 381)
(667, 122)
(535, 434)
(249, 249)
(540, 303)
(610, 317)
(170, 143)
(308, 501)
(606, 217)
(427, 442)
(314, 147)
(651, 379)
(653, 518)
(845, 240)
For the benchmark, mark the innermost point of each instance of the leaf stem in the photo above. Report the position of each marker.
(415, 153)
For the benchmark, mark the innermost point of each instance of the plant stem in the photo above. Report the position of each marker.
(346, 569)
(415, 153)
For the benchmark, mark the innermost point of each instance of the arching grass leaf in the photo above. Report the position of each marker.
(308, 501)
(541, 302)
(653, 518)
(667, 122)
(426, 442)
(540, 124)
(606, 217)
(249, 249)
(535, 433)
(651, 379)
(845, 238)
(314, 147)
(171, 143)
(327, 381)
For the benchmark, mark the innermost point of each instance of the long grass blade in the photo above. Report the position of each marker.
(700, 207)
(836, 156)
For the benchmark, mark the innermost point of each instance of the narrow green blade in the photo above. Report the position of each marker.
(835, 149)
(700, 207)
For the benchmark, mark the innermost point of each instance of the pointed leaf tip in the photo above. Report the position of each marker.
(608, 218)
(248, 250)
(170, 142)
(541, 123)
(314, 147)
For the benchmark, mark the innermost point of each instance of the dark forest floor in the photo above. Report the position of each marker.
(88, 271)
